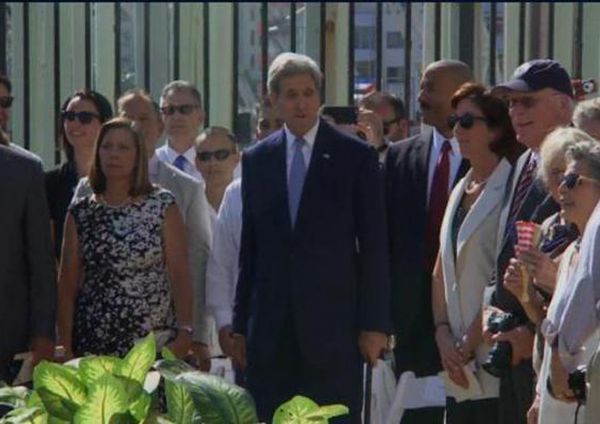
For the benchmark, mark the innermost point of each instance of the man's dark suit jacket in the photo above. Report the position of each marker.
(330, 272)
(27, 264)
(406, 174)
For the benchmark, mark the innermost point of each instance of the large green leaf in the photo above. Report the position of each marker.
(57, 406)
(14, 397)
(216, 401)
(59, 380)
(139, 360)
(94, 367)
(141, 406)
(107, 399)
(33, 415)
(302, 410)
(180, 405)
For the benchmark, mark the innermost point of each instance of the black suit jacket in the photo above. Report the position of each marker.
(329, 273)
(27, 265)
(406, 174)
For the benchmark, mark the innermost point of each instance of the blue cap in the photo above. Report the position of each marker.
(536, 75)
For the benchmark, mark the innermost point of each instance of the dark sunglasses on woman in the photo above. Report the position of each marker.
(182, 109)
(83, 117)
(6, 101)
(220, 155)
(573, 179)
(466, 120)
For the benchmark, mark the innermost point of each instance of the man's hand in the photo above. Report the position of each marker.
(513, 279)
(181, 345)
(239, 351)
(226, 340)
(521, 340)
(201, 354)
(559, 379)
(540, 267)
(42, 348)
(371, 124)
(371, 345)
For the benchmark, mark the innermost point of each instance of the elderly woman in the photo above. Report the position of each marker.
(586, 117)
(124, 270)
(82, 115)
(579, 192)
(468, 250)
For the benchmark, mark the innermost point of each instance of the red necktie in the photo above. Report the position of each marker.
(437, 205)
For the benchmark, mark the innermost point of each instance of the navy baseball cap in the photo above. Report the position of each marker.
(536, 75)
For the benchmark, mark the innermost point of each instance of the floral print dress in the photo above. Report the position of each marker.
(125, 293)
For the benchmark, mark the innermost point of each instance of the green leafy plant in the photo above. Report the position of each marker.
(108, 390)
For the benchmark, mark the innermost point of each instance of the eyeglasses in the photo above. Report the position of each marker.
(466, 121)
(84, 117)
(573, 179)
(6, 101)
(182, 109)
(220, 155)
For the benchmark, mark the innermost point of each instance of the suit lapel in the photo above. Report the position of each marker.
(508, 201)
(422, 152)
(490, 197)
(277, 176)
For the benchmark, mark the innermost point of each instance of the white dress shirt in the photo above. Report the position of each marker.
(307, 149)
(455, 160)
(167, 154)
(222, 269)
(579, 318)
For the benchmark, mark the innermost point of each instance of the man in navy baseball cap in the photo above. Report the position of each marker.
(536, 75)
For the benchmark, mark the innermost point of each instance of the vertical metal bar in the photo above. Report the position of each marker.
(522, 9)
(578, 48)
(407, 56)
(205, 61)
(3, 31)
(323, 19)
(550, 29)
(26, 62)
(56, 19)
(264, 45)
(437, 31)
(147, 46)
(176, 39)
(378, 45)
(117, 9)
(293, 26)
(351, 74)
(492, 44)
(236, 36)
(88, 45)
(467, 29)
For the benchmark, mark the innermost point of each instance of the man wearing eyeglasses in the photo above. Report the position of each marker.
(6, 100)
(216, 158)
(540, 99)
(182, 115)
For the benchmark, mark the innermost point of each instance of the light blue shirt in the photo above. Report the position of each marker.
(307, 149)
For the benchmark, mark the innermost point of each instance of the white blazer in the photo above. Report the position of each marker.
(466, 277)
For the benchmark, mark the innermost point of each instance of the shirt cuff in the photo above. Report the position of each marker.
(223, 317)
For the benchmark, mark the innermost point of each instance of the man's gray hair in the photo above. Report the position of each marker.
(180, 85)
(587, 110)
(291, 64)
(555, 146)
(587, 152)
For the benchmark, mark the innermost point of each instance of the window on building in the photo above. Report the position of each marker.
(395, 74)
(364, 37)
(394, 40)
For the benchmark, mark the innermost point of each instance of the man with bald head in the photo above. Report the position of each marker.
(420, 172)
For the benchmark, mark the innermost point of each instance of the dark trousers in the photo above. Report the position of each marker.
(423, 416)
(516, 393)
(288, 373)
(484, 411)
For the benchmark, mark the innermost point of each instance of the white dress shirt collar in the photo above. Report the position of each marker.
(309, 136)
(438, 141)
(189, 154)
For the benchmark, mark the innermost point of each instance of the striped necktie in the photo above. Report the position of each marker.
(522, 190)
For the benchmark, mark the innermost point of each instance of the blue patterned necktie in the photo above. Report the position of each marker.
(180, 162)
(296, 179)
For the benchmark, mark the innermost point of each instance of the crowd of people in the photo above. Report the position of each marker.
(472, 243)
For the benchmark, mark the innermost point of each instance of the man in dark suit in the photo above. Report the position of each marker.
(312, 296)
(540, 98)
(27, 265)
(420, 172)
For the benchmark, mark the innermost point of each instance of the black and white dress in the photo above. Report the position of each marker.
(125, 293)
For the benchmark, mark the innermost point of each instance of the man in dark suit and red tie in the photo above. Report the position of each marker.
(312, 299)
(420, 173)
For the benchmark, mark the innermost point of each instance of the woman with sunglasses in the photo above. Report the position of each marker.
(124, 269)
(216, 159)
(82, 115)
(579, 192)
(468, 251)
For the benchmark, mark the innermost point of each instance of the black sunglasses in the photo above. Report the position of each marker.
(573, 179)
(6, 101)
(182, 109)
(466, 121)
(84, 117)
(219, 155)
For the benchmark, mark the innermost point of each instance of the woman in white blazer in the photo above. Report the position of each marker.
(468, 252)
